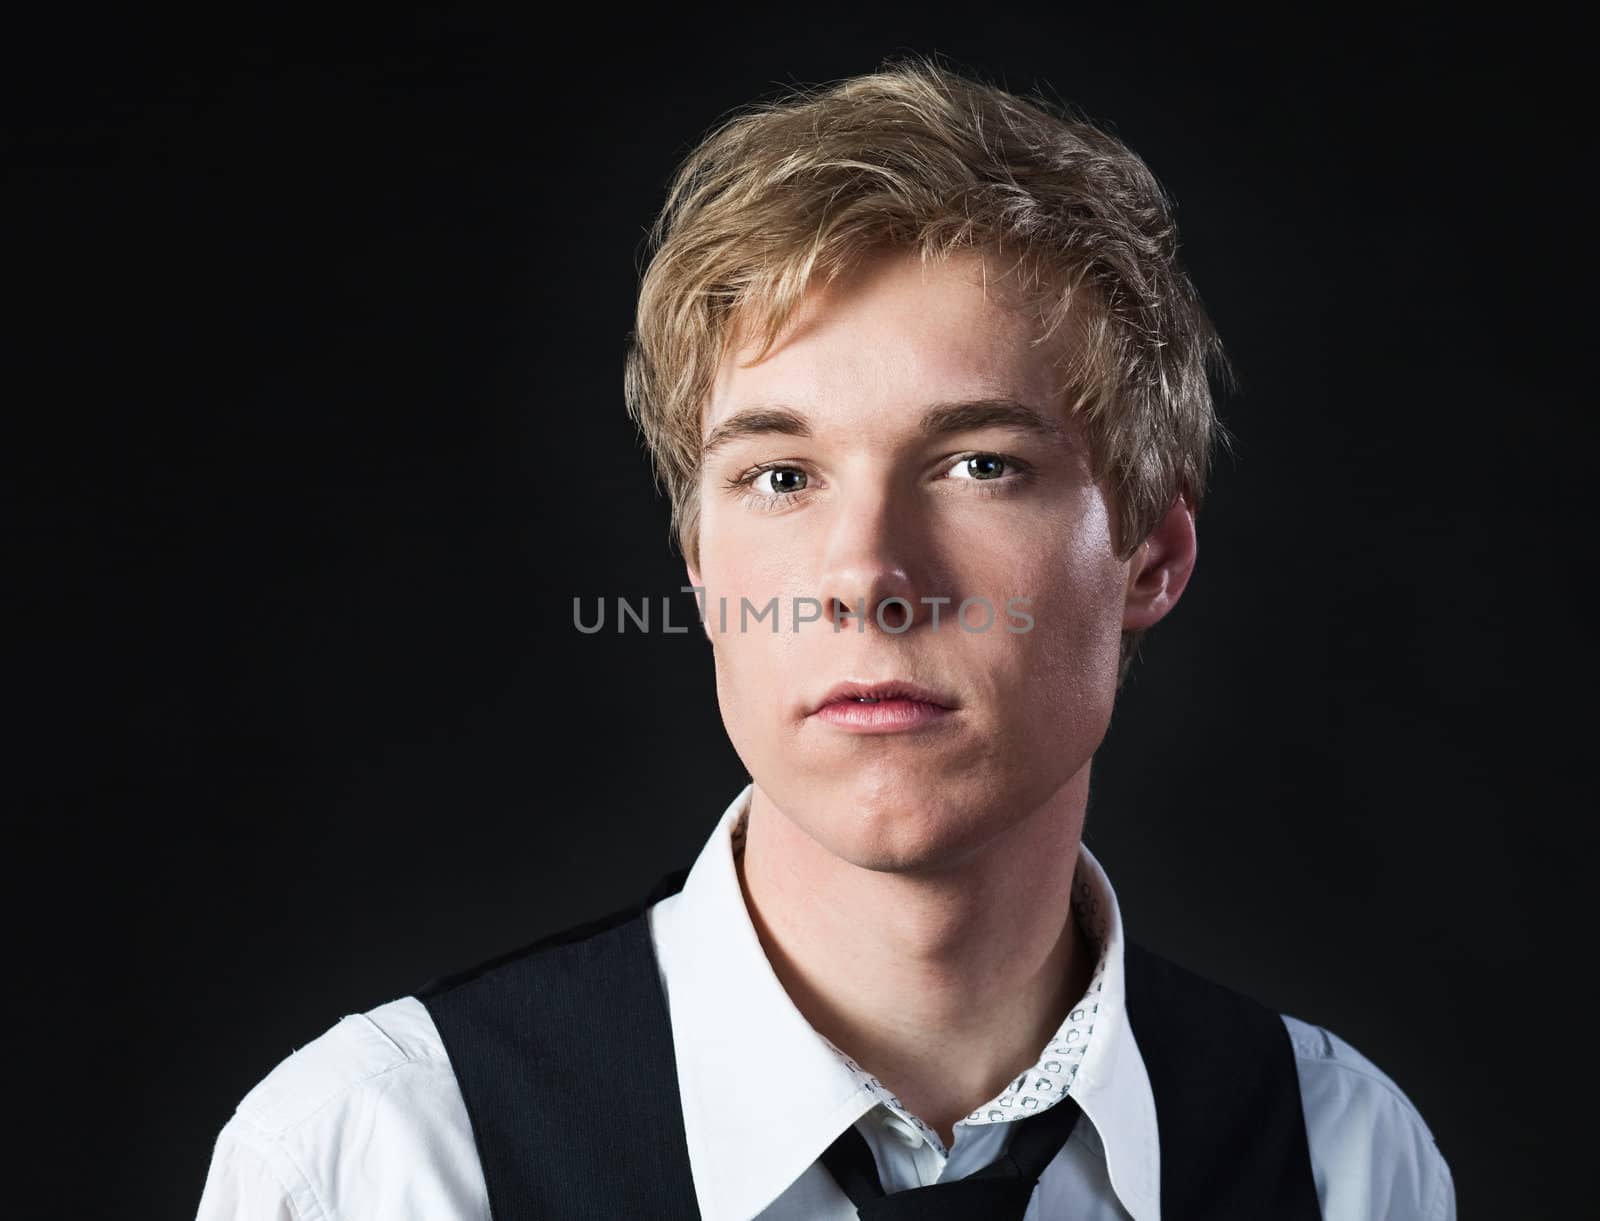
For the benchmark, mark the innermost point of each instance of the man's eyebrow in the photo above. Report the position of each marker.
(755, 422)
(965, 415)
(970, 415)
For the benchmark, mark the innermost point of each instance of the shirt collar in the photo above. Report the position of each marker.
(764, 1093)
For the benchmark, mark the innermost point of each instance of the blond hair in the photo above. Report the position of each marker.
(919, 157)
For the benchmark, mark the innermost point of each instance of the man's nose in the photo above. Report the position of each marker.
(872, 565)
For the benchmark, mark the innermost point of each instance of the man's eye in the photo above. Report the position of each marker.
(981, 466)
(785, 479)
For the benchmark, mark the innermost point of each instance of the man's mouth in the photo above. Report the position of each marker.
(885, 691)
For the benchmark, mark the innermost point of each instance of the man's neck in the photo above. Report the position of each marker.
(945, 987)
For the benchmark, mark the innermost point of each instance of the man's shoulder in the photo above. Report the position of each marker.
(366, 1117)
(1371, 1150)
(352, 1056)
(1335, 1077)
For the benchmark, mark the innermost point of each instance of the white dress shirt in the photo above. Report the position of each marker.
(367, 1120)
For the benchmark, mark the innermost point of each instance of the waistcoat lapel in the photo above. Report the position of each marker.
(535, 1038)
(1227, 1093)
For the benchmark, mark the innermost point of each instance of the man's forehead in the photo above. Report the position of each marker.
(958, 290)
(893, 331)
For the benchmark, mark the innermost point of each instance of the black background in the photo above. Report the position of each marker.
(325, 324)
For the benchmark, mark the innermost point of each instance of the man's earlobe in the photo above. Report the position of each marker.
(1160, 568)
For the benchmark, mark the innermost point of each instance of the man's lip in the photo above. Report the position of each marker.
(886, 689)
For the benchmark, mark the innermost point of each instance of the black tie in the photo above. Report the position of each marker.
(1000, 1190)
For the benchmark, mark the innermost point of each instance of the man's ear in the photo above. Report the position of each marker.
(1160, 568)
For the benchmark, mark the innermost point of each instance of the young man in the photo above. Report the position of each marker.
(928, 389)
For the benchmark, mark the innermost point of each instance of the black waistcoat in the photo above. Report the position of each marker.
(530, 1031)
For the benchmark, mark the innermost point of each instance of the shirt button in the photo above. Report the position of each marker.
(907, 1132)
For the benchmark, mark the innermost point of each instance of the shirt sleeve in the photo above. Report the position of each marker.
(1372, 1154)
(246, 1183)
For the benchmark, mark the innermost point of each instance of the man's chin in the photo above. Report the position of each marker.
(912, 826)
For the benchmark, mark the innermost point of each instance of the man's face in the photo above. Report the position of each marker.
(871, 505)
